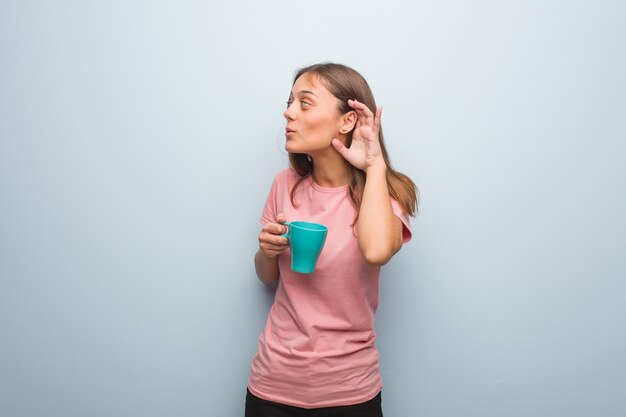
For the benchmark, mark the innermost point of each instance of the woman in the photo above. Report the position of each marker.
(317, 355)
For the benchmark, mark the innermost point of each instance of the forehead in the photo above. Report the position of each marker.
(312, 83)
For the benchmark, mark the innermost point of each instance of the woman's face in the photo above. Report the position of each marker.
(313, 117)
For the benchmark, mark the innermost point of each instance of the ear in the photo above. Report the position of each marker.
(348, 121)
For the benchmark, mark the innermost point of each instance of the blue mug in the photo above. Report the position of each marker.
(306, 241)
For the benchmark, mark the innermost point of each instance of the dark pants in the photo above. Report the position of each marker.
(257, 407)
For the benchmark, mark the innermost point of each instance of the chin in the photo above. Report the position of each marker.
(289, 147)
(294, 148)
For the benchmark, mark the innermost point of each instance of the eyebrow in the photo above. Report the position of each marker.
(306, 92)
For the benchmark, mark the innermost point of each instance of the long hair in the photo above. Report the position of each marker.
(347, 84)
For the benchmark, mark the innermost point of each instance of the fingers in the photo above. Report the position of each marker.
(272, 250)
(281, 218)
(362, 110)
(367, 124)
(340, 147)
(275, 228)
(379, 112)
(272, 244)
(271, 240)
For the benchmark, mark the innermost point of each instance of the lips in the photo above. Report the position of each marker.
(289, 131)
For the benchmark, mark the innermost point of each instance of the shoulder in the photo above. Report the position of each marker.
(288, 173)
(286, 176)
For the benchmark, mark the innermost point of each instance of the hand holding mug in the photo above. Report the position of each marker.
(271, 241)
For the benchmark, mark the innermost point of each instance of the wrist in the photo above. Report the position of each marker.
(377, 168)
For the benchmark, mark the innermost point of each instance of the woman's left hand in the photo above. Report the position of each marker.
(364, 151)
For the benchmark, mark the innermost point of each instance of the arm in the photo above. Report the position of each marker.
(379, 230)
(266, 268)
(271, 244)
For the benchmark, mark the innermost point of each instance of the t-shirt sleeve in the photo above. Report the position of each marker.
(406, 222)
(270, 211)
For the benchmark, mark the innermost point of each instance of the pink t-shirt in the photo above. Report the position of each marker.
(318, 347)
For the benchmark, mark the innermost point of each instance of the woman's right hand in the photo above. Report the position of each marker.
(271, 242)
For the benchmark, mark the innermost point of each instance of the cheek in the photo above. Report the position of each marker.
(321, 124)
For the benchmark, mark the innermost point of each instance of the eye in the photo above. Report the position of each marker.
(289, 102)
(304, 103)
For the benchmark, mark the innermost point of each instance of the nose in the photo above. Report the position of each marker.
(288, 113)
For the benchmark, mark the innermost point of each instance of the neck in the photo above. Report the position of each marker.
(331, 170)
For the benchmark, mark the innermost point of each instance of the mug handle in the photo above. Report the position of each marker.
(288, 224)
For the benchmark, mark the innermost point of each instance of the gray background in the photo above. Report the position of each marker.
(138, 144)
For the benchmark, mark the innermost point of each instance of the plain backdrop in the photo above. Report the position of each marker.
(139, 139)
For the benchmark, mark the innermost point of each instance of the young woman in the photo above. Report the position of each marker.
(317, 355)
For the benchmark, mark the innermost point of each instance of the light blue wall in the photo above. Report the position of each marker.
(138, 141)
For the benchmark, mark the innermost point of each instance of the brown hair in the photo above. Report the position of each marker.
(345, 84)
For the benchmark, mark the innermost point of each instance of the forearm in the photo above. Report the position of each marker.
(379, 230)
(266, 267)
